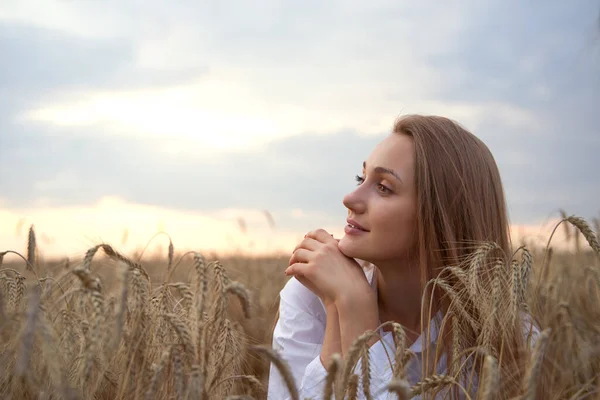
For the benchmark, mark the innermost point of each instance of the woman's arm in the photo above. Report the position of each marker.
(298, 335)
(357, 314)
(332, 342)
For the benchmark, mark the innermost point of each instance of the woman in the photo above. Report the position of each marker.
(428, 194)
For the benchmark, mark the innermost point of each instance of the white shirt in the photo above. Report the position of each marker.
(298, 337)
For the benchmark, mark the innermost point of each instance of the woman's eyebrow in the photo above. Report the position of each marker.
(383, 170)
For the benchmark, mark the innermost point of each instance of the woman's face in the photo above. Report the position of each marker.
(384, 204)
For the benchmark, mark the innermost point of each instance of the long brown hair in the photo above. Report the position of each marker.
(461, 205)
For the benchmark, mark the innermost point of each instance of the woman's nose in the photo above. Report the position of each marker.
(354, 201)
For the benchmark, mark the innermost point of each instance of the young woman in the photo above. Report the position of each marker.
(429, 194)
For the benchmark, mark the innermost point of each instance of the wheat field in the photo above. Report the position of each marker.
(186, 326)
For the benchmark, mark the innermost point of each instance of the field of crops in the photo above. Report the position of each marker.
(118, 326)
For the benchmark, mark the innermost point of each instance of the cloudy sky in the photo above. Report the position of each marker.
(122, 118)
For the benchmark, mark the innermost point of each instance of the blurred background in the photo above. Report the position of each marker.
(237, 126)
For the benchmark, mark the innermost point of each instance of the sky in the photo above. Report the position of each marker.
(239, 126)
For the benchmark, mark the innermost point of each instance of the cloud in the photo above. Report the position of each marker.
(310, 172)
(202, 107)
(70, 231)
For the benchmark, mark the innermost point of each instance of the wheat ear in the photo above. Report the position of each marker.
(431, 382)
(366, 372)
(354, 354)
(400, 387)
(282, 366)
(31, 247)
(153, 386)
(587, 232)
(335, 366)
(490, 378)
(242, 294)
(27, 338)
(535, 364)
(353, 387)
(170, 254)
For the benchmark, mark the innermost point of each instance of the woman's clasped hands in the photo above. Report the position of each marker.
(318, 264)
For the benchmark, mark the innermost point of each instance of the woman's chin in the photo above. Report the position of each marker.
(348, 248)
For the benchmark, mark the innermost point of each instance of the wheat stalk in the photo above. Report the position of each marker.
(242, 294)
(490, 378)
(366, 372)
(178, 375)
(170, 254)
(186, 294)
(27, 338)
(183, 333)
(458, 304)
(430, 383)
(31, 247)
(250, 379)
(335, 366)
(352, 388)
(587, 232)
(535, 364)
(354, 353)
(282, 366)
(400, 387)
(400, 340)
(477, 260)
(153, 387)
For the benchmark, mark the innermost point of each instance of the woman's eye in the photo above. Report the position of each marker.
(359, 179)
(383, 189)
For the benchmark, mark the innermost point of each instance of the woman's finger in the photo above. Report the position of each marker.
(298, 269)
(300, 256)
(308, 244)
(320, 235)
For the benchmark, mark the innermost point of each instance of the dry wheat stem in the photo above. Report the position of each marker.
(457, 303)
(335, 366)
(153, 387)
(435, 382)
(587, 232)
(490, 378)
(183, 333)
(400, 339)
(28, 265)
(366, 372)
(170, 254)
(535, 364)
(251, 379)
(476, 261)
(186, 294)
(242, 294)
(178, 375)
(400, 387)
(354, 353)
(31, 246)
(352, 387)
(282, 366)
(120, 316)
(27, 338)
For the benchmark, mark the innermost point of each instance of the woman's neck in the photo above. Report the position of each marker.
(399, 295)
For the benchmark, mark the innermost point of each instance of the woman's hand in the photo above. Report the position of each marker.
(320, 266)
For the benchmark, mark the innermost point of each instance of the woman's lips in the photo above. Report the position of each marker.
(354, 230)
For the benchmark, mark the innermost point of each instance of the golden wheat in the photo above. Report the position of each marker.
(108, 327)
